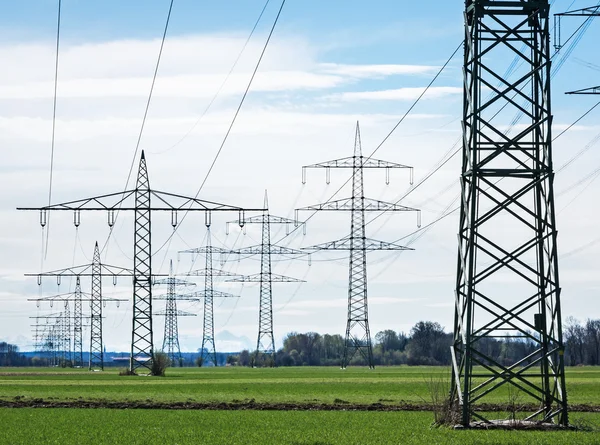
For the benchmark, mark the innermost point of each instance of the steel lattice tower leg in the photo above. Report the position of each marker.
(208, 324)
(96, 346)
(141, 334)
(171, 338)
(66, 334)
(77, 326)
(358, 335)
(266, 340)
(507, 230)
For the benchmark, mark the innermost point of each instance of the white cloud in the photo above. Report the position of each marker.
(396, 94)
(369, 71)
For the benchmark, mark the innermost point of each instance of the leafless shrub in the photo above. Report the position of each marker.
(160, 363)
(444, 411)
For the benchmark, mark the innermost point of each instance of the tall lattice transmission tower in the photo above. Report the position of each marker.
(208, 349)
(507, 283)
(171, 314)
(77, 318)
(96, 270)
(53, 337)
(358, 335)
(143, 201)
(265, 343)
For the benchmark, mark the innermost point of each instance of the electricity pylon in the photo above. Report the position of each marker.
(95, 270)
(54, 337)
(208, 349)
(76, 297)
(358, 335)
(507, 283)
(171, 337)
(139, 201)
(265, 343)
(77, 326)
(590, 12)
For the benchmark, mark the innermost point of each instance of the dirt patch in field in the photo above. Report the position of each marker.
(253, 405)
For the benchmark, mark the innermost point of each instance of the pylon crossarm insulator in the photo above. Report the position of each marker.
(347, 244)
(258, 278)
(350, 162)
(366, 204)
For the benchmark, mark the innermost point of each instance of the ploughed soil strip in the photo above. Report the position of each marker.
(18, 402)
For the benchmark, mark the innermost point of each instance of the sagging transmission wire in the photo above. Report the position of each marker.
(53, 138)
(578, 34)
(394, 128)
(454, 150)
(142, 126)
(417, 234)
(212, 101)
(449, 210)
(232, 123)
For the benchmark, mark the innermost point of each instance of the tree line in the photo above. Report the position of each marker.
(10, 356)
(426, 344)
(582, 342)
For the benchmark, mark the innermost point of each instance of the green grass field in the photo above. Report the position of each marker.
(354, 385)
(103, 426)
(290, 385)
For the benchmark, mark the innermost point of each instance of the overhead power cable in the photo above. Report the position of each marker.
(233, 120)
(239, 56)
(142, 126)
(53, 124)
(394, 128)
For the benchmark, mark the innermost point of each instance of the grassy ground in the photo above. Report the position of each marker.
(298, 385)
(295, 385)
(102, 426)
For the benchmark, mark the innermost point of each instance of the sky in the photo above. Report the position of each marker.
(328, 65)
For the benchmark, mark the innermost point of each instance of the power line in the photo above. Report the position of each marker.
(233, 120)
(404, 116)
(53, 122)
(139, 139)
(222, 84)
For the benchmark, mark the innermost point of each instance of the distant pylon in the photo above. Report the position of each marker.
(77, 326)
(265, 343)
(96, 349)
(171, 336)
(95, 270)
(65, 334)
(208, 349)
(208, 322)
(358, 334)
(143, 201)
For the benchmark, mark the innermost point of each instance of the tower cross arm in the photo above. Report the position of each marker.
(346, 244)
(274, 250)
(271, 219)
(349, 163)
(592, 90)
(84, 270)
(196, 296)
(257, 278)
(123, 201)
(592, 11)
(367, 205)
(108, 201)
(205, 249)
(213, 272)
(178, 313)
(172, 201)
(174, 281)
(70, 296)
